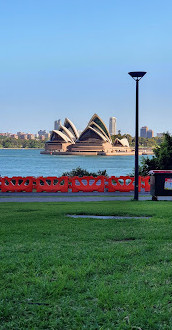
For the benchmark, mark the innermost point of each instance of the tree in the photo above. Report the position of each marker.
(162, 159)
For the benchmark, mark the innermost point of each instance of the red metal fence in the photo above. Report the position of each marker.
(74, 184)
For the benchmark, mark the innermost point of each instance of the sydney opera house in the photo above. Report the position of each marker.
(94, 140)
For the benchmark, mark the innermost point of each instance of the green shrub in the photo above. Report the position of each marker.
(82, 172)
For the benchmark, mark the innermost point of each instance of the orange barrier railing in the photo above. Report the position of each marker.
(126, 183)
(145, 183)
(88, 183)
(121, 183)
(52, 184)
(17, 184)
(76, 184)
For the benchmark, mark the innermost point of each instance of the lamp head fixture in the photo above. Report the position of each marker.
(137, 75)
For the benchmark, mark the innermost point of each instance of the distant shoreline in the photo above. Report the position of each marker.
(21, 148)
(131, 153)
(118, 153)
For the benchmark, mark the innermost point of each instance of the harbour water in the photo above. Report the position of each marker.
(24, 162)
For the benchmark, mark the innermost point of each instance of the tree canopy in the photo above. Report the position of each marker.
(162, 159)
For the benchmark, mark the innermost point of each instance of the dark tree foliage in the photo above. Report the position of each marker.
(81, 172)
(8, 142)
(162, 159)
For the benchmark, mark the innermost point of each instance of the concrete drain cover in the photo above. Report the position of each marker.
(103, 216)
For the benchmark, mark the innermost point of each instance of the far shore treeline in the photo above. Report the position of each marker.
(9, 142)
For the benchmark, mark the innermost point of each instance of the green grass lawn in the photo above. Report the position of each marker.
(63, 273)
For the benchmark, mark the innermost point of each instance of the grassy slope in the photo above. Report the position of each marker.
(63, 273)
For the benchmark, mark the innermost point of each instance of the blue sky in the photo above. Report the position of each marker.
(71, 58)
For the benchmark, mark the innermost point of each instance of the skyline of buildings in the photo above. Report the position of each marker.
(146, 133)
(43, 134)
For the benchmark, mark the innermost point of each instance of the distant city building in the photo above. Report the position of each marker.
(27, 136)
(57, 124)
(30, 136)
(143, 131)
(159, 135)
(41, 132)
(112, 126)
(20, 133)
(150, 134)
(14, 136)
(23, 136)
(42, 137)
(47, 135)
(146, 133)
(3, 134)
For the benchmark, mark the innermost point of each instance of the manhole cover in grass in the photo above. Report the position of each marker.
(104, 216)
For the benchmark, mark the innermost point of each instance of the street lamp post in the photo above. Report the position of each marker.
(137, 76)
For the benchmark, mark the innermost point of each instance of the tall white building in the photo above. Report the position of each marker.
(112, 126)
(57, 124)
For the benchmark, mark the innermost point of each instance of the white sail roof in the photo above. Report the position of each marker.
(62, 135)
(71, 127)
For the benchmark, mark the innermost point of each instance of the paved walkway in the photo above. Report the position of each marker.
(66, 199)
(73, 197)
